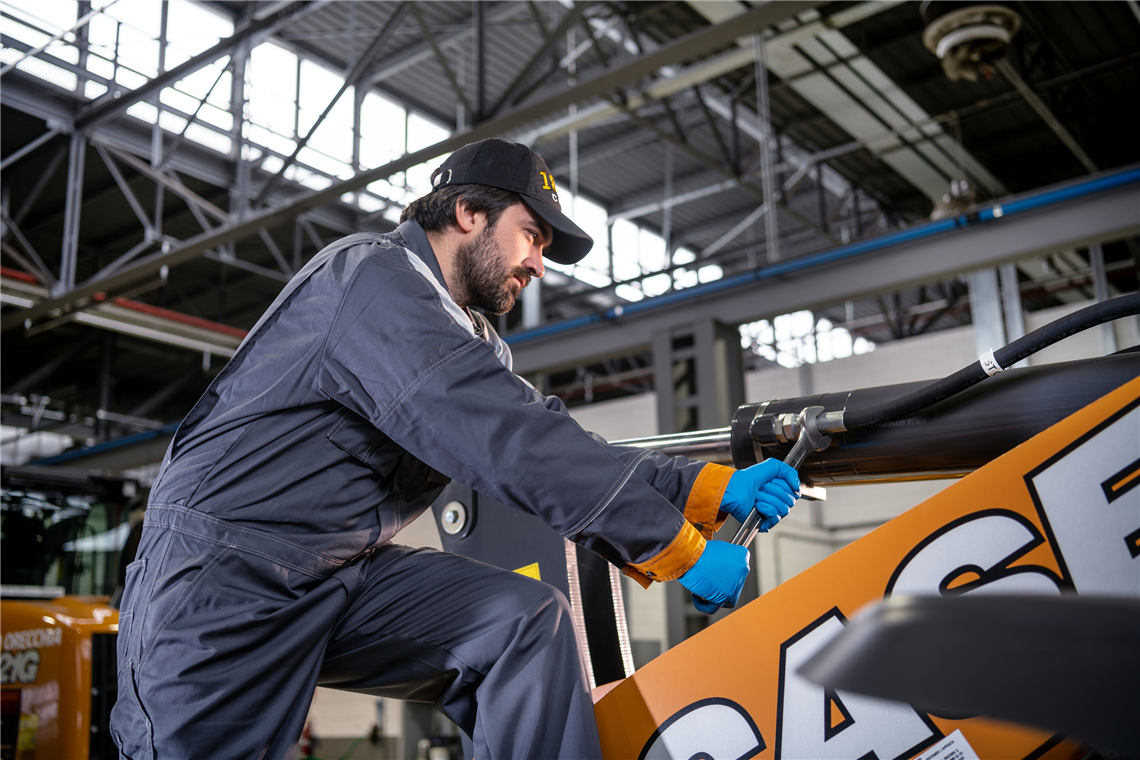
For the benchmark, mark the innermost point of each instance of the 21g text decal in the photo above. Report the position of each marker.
(19, 667)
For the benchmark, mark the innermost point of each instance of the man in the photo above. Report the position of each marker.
(266, 566)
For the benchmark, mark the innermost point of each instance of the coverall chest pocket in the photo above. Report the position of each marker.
(132, 589)
(357, 437)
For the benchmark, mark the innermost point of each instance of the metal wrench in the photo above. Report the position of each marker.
(811, 439)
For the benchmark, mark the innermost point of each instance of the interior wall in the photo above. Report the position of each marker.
(629, 417)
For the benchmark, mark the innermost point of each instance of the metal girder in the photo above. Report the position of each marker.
(31, 147)
(164, 180)
(715, 166)
(350, 80)
(132, 201)
(788, 187)
(597, 151)
(33, 194)
(1100, 209)
(56, 38)
(440, 58)
(546, 48)
(181, 136)
(684, 48)
(117, 101)
(134, 450)
(669, 201)
(40, 374)
(419, 53)
(801, 242)
(1006, 68)
(38, 269)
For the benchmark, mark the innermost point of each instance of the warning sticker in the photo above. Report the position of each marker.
(953, 747)
(530, 571)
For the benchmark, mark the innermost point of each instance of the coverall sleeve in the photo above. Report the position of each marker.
(696, 488)
(397, 356)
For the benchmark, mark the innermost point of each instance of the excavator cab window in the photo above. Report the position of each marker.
(64, 529)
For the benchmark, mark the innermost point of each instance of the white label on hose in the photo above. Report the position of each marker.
(989, 363)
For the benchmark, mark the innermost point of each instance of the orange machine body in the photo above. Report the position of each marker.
(47, 674)
(1058, 514)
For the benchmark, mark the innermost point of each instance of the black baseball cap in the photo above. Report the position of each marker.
(518, 169)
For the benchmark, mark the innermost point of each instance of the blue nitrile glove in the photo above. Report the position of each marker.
(718, 576)
(770, 487)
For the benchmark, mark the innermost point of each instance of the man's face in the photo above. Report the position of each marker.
(495, 266)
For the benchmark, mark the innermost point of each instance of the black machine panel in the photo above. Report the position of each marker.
(499, 535)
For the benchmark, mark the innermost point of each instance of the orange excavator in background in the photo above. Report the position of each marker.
(63, 535)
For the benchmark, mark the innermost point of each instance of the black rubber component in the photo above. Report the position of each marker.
(1027, 345)
(1067, 664)
(952, 437)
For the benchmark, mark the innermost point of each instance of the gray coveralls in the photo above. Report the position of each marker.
(266, 565)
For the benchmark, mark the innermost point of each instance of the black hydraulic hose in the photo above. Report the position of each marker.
(994, 361)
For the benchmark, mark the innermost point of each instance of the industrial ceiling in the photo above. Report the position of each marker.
(122, 301)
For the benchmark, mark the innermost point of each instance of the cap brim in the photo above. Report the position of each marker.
(571, 243)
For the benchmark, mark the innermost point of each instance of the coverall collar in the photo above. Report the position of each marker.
(414, 235)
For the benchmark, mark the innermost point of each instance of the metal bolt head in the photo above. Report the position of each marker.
(454, 518)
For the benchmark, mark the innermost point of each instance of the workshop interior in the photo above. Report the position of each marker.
(895, 245)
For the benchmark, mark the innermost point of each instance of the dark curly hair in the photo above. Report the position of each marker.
(436, 210)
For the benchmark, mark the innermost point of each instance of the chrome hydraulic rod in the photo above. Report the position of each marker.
(713, 445)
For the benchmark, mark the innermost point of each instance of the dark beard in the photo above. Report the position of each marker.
(483, 276)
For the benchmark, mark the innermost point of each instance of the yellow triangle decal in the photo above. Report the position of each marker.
(530, 571)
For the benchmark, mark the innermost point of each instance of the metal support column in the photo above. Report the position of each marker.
(358, 95)
(156, 137)
(104, 429)
(699, 378)
(480, 62)
(821, 194)
(573, 144)
(768, 180)
(985, 306)
(73, 206)
(675, 380)
(83, 8)
(1100, 284)
(462, 111)
(1011, 303)
(610, 250)
(298, 244)
(667, 211)
(243, 170)
(532, 304)
(5, 204)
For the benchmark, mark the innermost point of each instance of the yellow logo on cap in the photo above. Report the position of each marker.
(547, 181)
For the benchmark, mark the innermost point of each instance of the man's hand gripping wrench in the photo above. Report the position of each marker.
(811, 439)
